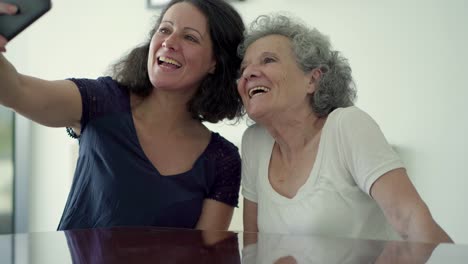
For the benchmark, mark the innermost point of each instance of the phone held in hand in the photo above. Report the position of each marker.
(28, 12)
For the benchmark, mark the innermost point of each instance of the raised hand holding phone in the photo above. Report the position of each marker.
(6, 9)
(17, 15)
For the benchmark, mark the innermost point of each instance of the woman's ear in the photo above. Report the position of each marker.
(316, 74)
(314, 77)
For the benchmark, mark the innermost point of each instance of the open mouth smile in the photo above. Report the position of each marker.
(257, 91)
(169, 62)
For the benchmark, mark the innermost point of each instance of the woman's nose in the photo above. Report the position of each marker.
(250, 72)
(170, 43)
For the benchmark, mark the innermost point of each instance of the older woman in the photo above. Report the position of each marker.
(313, 163)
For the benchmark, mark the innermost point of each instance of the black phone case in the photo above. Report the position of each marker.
(29, 11)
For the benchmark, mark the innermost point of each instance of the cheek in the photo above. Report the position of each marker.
(239, 84)
(282, 79)
(203, 60)
(151, 53)
(152, 42)
(155, 44)
(240, 87)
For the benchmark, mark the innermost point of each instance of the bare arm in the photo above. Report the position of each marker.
(215, 215)
(50, 103)
(250, 216)
(405, 210)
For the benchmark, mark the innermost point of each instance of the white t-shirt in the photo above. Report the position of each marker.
(353, 153)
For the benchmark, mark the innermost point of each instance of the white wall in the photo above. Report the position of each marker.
(409, 60)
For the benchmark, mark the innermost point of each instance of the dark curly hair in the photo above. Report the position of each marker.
(217, 97)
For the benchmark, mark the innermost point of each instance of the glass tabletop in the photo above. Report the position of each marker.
(160, 245)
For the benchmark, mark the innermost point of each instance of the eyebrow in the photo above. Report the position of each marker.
(185, 28)
(268, 53)
(263, 55)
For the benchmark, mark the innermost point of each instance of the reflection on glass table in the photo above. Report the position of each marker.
(161, 245)
(294, 249)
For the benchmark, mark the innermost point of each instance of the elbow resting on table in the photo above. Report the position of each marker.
(417, 224)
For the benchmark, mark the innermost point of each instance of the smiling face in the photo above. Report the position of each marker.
(181, 54)
(271, 81)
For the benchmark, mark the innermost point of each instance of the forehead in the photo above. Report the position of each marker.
(186, 15)
(277, 44)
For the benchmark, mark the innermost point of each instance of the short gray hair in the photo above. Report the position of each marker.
(313, 50)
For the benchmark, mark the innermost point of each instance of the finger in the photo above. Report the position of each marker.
(3, 43)
(8, 9)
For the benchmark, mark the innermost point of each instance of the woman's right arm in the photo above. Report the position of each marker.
(250, 216)
(50, 103)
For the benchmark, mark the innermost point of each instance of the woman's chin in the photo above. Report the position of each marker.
(257, 115)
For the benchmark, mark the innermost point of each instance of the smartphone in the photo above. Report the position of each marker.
(28, 12)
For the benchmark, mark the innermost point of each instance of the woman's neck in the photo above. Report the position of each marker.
(163, 111)
(296, 133)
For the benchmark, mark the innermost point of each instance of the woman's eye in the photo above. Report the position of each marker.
(191, 38)
(163, 30)
(268, 60)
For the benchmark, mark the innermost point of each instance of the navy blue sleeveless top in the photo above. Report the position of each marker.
(115, 184)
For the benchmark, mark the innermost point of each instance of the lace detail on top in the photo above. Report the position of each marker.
(227, 169)
(72, 133)
(100, 96)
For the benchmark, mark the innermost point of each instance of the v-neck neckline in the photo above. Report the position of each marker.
(143, 154)
(313, 174)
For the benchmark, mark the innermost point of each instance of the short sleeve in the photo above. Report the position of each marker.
(228, 170)
(249, 175)
(366, 151)
(99, 96)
